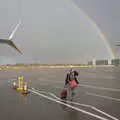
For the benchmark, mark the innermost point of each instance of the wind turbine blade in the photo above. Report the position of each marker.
(12, 44)
(13, 32)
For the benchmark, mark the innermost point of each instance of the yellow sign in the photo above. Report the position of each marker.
(20, 78)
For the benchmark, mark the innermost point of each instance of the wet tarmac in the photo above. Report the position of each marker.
(96, 98)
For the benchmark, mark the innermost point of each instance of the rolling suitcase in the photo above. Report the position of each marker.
(63, 94)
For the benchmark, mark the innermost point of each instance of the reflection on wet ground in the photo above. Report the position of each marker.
(99, 87)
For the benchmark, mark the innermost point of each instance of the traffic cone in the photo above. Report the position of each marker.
(25, 88)
(14, 85)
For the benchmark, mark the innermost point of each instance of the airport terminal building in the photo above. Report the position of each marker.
(115, 62)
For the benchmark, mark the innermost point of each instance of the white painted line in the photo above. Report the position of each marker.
(105, 97)
(88, 86)
(89, 106)
(51, 81)
(58, 87)
(72, 107)
(44, 84)
(96, 87)
(76, 103)
(100, 88)
(108, 115)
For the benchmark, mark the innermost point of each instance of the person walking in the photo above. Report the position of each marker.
(71, 82)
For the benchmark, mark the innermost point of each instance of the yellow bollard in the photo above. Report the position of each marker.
(20, 83)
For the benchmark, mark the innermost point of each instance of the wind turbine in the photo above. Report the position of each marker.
(9, 40)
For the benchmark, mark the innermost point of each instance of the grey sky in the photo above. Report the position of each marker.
(53, 31)
(106, 15)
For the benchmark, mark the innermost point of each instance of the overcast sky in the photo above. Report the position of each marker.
(106, 15)
(58, 31)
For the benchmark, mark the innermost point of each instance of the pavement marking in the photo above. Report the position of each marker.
(44, 84)
(89, 106)
(100, 88)
(70, 106)
(58, 87)
(88, 86)
(96, 87)
(76, 103)
(105, 97)
(51, 81)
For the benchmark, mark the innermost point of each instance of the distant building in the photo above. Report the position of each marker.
(100, 62)
(116, 62)
(89, 62)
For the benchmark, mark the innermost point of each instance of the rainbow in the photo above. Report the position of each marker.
(101, 34)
